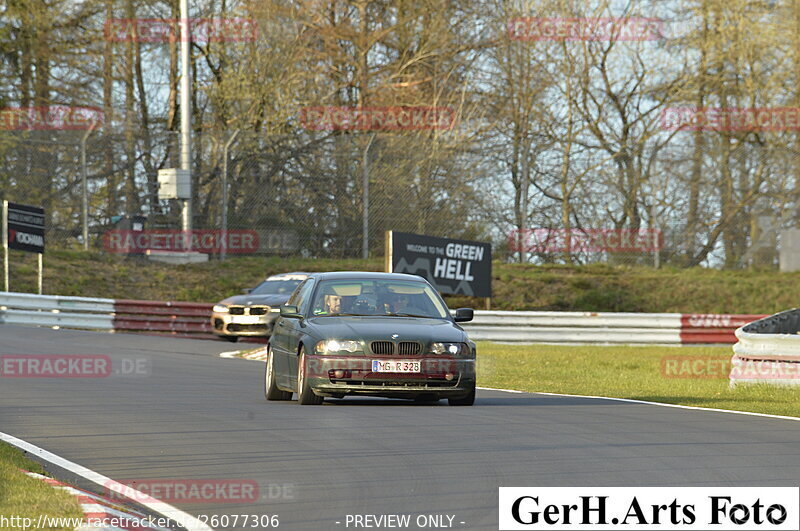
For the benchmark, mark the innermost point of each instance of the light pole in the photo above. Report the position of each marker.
(365, 186)
(186, 119)
(85, 190)
(224, 221)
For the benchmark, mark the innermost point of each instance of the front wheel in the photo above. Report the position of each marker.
(305, 395)
(271, 390)
(467, 400)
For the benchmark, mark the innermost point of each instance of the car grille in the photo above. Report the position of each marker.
(408, 348)
(252, 310)
(382, 347)
(404, 348)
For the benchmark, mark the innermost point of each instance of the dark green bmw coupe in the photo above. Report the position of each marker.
(378, 334)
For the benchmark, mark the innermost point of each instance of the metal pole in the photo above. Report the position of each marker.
(5, 244)
(365, 186)
(40, 272)
(224, 221)
(186, 118)
(657, 240)
(84, 186)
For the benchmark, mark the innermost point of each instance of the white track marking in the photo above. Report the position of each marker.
(184, 519)
(634, 401)
(503, 390)
(229, 354)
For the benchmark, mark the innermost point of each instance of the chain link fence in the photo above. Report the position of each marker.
(305, 196)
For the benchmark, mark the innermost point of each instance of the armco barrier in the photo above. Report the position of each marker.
(768, 351)
(57, 311)
(712, 328)
(575, 327)
(191, 319)
(151, 316)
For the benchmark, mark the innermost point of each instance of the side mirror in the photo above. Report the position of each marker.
(290, 312)
(247, 291)
(464, 315)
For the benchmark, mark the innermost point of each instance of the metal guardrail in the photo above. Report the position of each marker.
(193, 320)
(575, 327)
(56, 311)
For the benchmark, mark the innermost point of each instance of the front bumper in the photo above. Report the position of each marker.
(342, 375)
(225, 324)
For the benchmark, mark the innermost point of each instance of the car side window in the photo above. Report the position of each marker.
(296, 294)
(302, 296)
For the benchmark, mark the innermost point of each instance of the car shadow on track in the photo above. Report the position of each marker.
(518, 401)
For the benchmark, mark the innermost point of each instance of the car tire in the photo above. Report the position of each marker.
(305, 395)
(467, 400)
(271, 390)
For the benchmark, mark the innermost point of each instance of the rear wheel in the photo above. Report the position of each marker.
(305, 396)
(271, 390)
(467, 400)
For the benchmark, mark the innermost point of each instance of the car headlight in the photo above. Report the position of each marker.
(330, 346)
(453, 349)
(220, 308)
(275, 310)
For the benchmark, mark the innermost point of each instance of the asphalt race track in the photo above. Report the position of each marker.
(195, 415)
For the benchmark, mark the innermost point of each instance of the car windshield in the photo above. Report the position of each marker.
(276, 287)
(396, 298)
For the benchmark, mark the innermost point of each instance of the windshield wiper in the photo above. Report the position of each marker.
(409, 315)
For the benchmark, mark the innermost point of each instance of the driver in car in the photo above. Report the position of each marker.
(331, 304)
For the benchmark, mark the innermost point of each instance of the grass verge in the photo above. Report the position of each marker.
(27, 497)
(689, 376)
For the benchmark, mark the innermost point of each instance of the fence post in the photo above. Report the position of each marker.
(365, 184)
(224, 221)
(85, 190)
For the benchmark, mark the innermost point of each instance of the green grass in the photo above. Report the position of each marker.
(629, 372)
(640, 373)
(515, 286)
(28, 497)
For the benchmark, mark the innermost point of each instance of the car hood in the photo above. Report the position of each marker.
(382, 328)
(249, 299)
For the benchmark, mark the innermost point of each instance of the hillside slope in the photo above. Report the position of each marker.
(515, 286)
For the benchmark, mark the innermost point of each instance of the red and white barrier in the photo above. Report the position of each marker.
(606, 327)
(768, 351)
(191, 319)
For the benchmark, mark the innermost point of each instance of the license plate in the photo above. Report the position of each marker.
(245, 319)
(396, 366)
